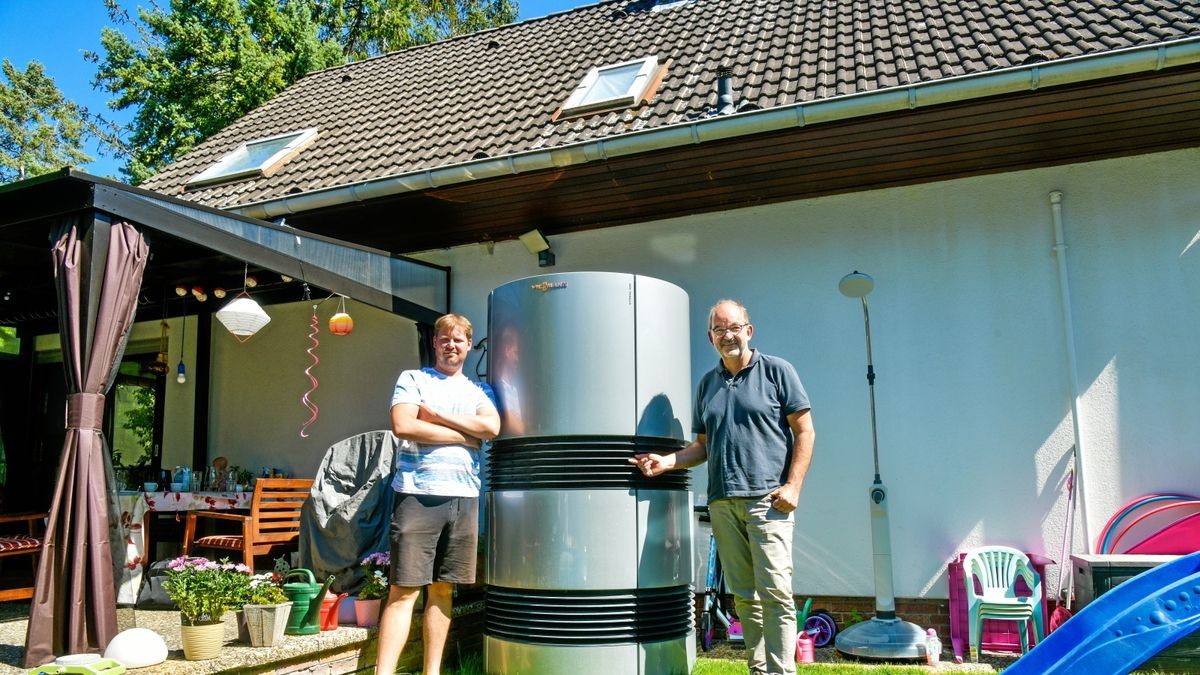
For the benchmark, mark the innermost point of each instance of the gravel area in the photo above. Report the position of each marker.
(234, 656)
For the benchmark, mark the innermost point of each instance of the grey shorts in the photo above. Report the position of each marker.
(434, 539)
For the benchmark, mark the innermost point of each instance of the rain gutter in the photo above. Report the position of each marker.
(1017, 79)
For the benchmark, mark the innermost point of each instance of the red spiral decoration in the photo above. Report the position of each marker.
(312, 335)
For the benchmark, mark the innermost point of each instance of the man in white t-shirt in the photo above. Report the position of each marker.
(441, 417)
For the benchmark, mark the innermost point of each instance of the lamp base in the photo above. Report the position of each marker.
(888, 639)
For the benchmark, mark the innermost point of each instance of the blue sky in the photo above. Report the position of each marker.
(58, 32)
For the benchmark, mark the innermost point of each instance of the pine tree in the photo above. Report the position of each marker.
(40, 131)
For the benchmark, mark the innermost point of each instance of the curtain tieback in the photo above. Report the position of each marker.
(85, 411)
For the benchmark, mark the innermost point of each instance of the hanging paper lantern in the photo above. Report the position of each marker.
(243, 317)
(341, 324)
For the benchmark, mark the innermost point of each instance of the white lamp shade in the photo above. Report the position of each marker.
(243, 317)
(136, 648)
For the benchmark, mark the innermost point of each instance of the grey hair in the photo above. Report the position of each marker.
(742, 308)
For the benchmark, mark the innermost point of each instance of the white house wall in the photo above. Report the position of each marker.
(972, 393)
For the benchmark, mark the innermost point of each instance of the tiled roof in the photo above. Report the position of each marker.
(495, 92)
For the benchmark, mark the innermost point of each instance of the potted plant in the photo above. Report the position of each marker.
(242, 478)
(374, 590)
(203, 590)
(266, 610)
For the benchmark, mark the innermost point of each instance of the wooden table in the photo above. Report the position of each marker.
(136, 510)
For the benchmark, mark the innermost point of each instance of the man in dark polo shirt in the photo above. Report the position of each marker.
(754, 429)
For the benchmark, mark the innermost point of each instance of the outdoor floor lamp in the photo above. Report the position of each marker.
(884, 636)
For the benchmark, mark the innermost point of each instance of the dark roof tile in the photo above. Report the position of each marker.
(495, 91)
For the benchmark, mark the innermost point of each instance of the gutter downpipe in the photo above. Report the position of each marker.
(1064, 290)
(895, 99)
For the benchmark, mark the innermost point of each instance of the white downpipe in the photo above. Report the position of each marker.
(1064, 289)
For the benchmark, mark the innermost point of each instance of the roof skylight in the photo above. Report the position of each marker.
(664, 5)
(261, 157)
(620, 85)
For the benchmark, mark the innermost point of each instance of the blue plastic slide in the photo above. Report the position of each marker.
(1118, 631)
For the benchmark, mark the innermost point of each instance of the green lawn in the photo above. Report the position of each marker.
(723, 667)
(473, 665)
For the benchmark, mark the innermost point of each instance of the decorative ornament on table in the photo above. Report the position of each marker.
(312, 335)
(341, 323)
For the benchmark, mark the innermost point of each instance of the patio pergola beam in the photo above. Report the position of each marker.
(313, 258)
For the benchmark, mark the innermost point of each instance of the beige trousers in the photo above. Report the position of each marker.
(754, 542)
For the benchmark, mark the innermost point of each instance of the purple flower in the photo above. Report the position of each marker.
(378, 559)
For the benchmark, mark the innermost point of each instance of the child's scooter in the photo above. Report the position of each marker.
(714, 611)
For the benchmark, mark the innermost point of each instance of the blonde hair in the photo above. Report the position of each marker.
(448, 322)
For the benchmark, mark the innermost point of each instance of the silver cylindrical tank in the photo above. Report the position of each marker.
(589, 563)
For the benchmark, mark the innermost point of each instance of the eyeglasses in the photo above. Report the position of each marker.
(736, 329)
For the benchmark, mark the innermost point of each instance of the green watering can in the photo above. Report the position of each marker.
(306, 596)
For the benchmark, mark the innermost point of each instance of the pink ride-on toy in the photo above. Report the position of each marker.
(818, 625)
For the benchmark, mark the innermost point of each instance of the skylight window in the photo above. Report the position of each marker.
(620, 85)
(664, 5)
(261, 157)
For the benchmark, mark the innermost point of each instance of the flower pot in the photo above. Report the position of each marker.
(266, 623)
(243, 631)
(203, 641)
(366, 612)
(346, 615)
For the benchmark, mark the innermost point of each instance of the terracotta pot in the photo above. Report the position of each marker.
(203, 641)
(266, 623)
(366, 612)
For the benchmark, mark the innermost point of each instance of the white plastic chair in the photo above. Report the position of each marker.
(997, 568)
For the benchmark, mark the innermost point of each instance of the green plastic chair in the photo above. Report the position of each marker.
(997, 569)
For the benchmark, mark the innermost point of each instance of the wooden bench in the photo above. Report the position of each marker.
(28, 543)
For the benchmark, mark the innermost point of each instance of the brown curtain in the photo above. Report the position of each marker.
(98, 269)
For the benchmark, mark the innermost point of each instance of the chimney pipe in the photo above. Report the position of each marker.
(725, 91)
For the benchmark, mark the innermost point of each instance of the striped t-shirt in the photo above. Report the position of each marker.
(442, 470)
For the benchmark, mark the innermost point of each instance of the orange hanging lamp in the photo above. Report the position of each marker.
(341, 323)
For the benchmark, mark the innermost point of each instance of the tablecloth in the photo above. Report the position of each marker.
(134, 508)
